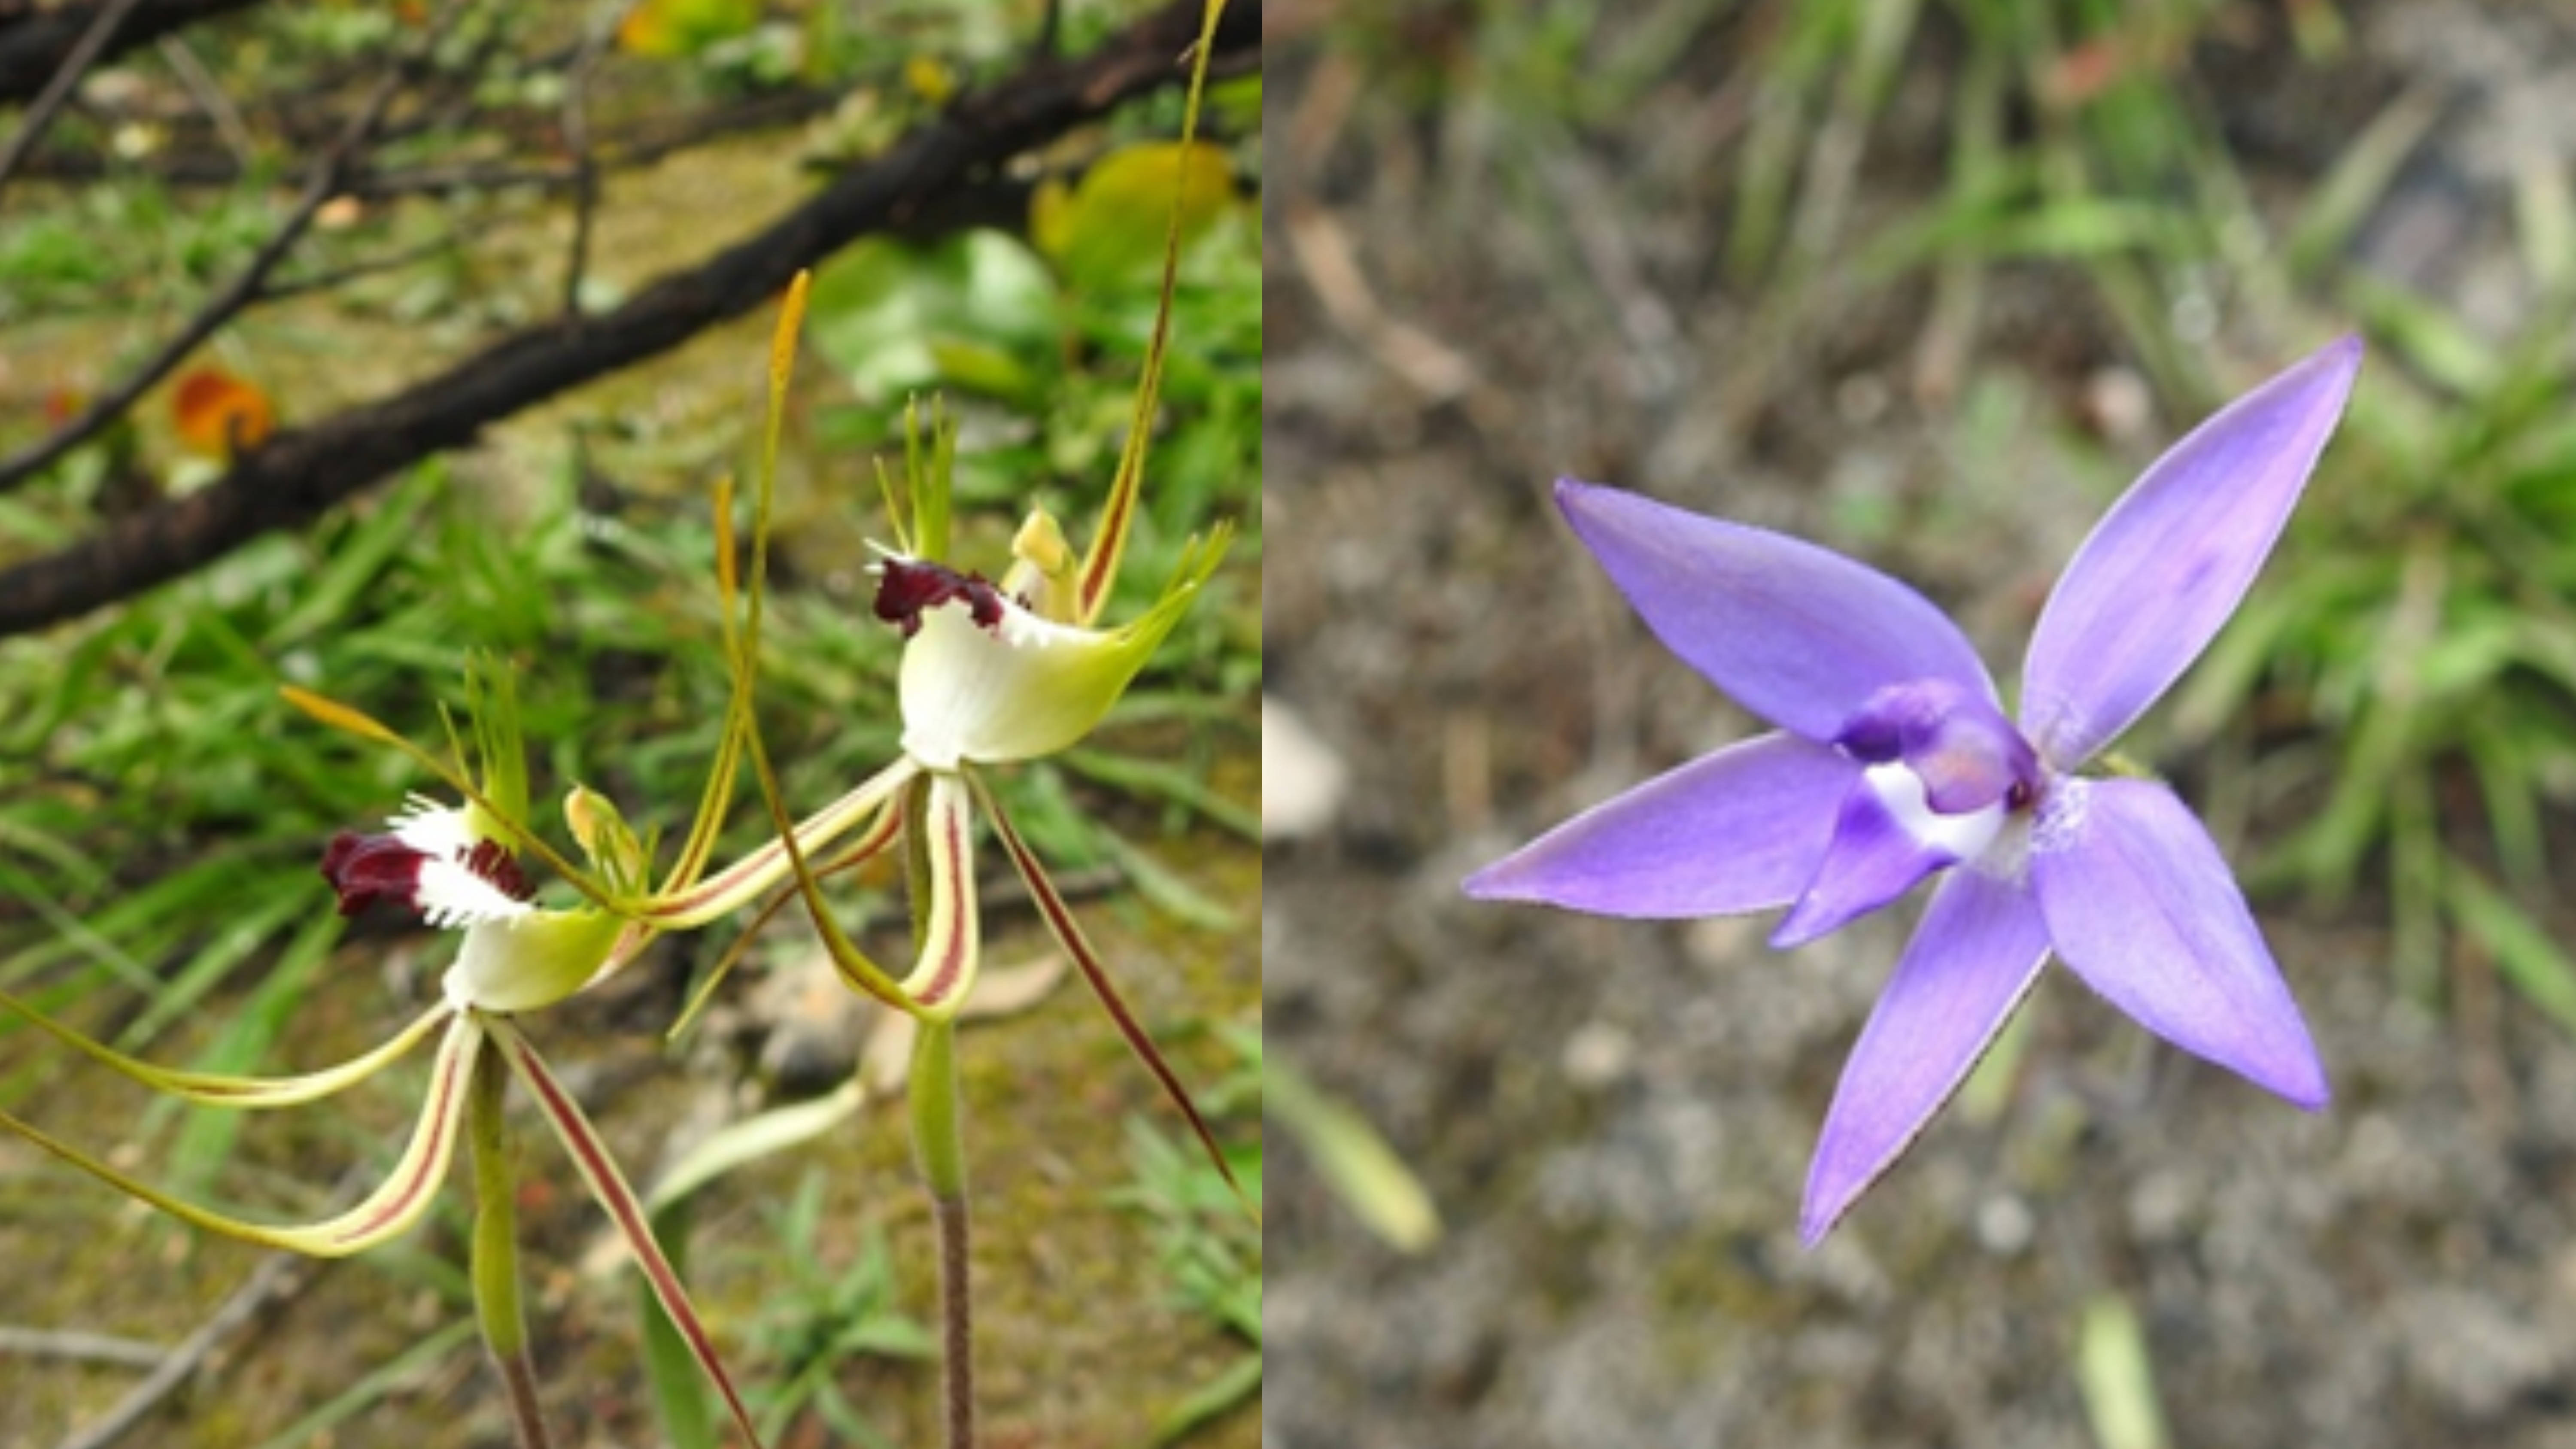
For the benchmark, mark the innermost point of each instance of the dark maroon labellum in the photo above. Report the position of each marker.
(906, 587)
(365, 869)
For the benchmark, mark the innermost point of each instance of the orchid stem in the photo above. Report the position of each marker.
(939, 1143)
(497, 1306)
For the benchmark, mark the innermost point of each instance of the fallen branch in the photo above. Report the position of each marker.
(300, 473)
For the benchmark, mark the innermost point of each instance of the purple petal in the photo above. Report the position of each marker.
(2142, 907)
(1739, 830)
(1971, 961)
(1797, 634)
(2167, 566)
(1885, 840)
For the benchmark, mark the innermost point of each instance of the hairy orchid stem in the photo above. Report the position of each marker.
(939, 1143)
(497, 1304)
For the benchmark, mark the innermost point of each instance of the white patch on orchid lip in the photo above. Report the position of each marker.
(1022, 629)
(450, 894)
(2063, 806)
(435, 830)
(458, 987)
(1901, 793)
(972, 693)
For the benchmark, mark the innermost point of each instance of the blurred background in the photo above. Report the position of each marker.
(246, 225)
(1928, 281)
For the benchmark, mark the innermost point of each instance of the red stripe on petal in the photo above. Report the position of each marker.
(624, 1209)
(952, 896)
(1068, 934)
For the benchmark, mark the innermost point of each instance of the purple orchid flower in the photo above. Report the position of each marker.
(1894, 760)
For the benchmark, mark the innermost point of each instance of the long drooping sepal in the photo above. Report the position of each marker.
(1797, 634)
(870, 843)
(2142, 906)
(1109, 543)
(1738, 830)
(2167, 566)
(386, 1213)
(1971, 962)
(247, 1093)
(625, 1211)
(742, 882)
(698, 847)
(946, 949)
(1068, 934)
(1024, 686)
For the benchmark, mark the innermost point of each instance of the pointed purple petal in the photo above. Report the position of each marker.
(1739, 830)
(2142, 907)
(1797, 634)
(1874, 858)
(1975, 956)
(2166, 567)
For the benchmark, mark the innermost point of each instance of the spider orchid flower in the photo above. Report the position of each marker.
(995, 674)
(455, 868)
(991, 674)
(1894, 760)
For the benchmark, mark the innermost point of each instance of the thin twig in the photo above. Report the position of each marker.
(585, 163)
(81, 1347)
(210, 98)
(323, 185)
(393, 261)
(58, 91)
(644, 143)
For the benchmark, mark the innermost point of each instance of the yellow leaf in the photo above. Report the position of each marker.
(1111, 224)
(669, 29)
(340, 716)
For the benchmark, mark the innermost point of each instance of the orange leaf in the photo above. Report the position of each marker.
(220, 414)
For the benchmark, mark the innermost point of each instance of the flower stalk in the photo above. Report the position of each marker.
(494, 1267)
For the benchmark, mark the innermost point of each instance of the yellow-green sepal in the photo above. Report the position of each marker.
(219, 1090)
(534, 960)
(1029, 687)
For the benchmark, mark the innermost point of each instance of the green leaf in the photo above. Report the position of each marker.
(883, 311)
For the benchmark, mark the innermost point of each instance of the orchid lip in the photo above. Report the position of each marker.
(431, 863)
(906, 587)
(1955, 743)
